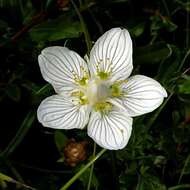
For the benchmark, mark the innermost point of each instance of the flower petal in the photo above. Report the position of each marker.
(112, 53)
(60, 67)
(61, 113)
(111, 131)
(142, 95)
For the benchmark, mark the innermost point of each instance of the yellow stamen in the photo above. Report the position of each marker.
(82, 98)
(103, 107)
(103, 75)
(81, 81)
(115, 90)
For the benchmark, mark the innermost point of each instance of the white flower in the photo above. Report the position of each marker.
(99, 92)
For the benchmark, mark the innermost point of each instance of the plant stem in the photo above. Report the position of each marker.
(92, 168)
(184, 59)
(166, 8)
(80, 172)
(6, 178)
(184, 167)
(85, 30)
(14, 171)
(180, 187)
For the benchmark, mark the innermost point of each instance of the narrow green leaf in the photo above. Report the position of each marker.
(185, 168)
(60, 140)
(43, 90)
(57, 29)
(13, 92)
(140, 184)
(184, 86)
(169, 68)
(3, 184)
(48, 3)
(151, 54)
(180, 187)
(85, 177)
(170, 26)
(24, 128)
(138, 29)
(6, 178)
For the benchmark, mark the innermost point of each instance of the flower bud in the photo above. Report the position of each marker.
(75, 152)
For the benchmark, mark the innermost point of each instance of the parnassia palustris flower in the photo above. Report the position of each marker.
(97, 93)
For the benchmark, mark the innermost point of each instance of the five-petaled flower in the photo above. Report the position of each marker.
(97, 93)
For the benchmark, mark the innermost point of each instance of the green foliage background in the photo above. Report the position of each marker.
(158, 154)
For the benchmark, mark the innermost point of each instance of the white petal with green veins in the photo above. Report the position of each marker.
(111, 56)
(61, 113)
(141, 95)
(111, 131)
(63, 68)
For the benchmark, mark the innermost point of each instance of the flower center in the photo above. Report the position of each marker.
(97, 91)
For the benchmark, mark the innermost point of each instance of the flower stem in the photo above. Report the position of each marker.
(85, 30)
(92, 168)
(76, 176)
(184, 59)
(184, 168)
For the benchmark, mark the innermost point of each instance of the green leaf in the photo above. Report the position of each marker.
(138, 29)
(185, 5)
(48, 3)
(4, 177)
(169, 68)
(13, 92)
(8, 3)
(24, 128)
(61, 159)
(169, 25)
(185, 169)
(27, 11)
(57, 29)
(180, 187)
(151, 54)
(3, 184)
(60, 140)
(85, 177)
(161, 22)
(152, 183)
(184, 86)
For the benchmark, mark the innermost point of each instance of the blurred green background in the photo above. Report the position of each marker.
(158, 154)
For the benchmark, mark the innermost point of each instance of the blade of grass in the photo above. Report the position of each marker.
(80, 172)
(17, 139)
(85, 30)
(179, 187)
(140, 185)
(6, 178)
(184, 59)
(166, 8)
(92, 168)
(42, 90)
(13, 170)
(184, 168)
